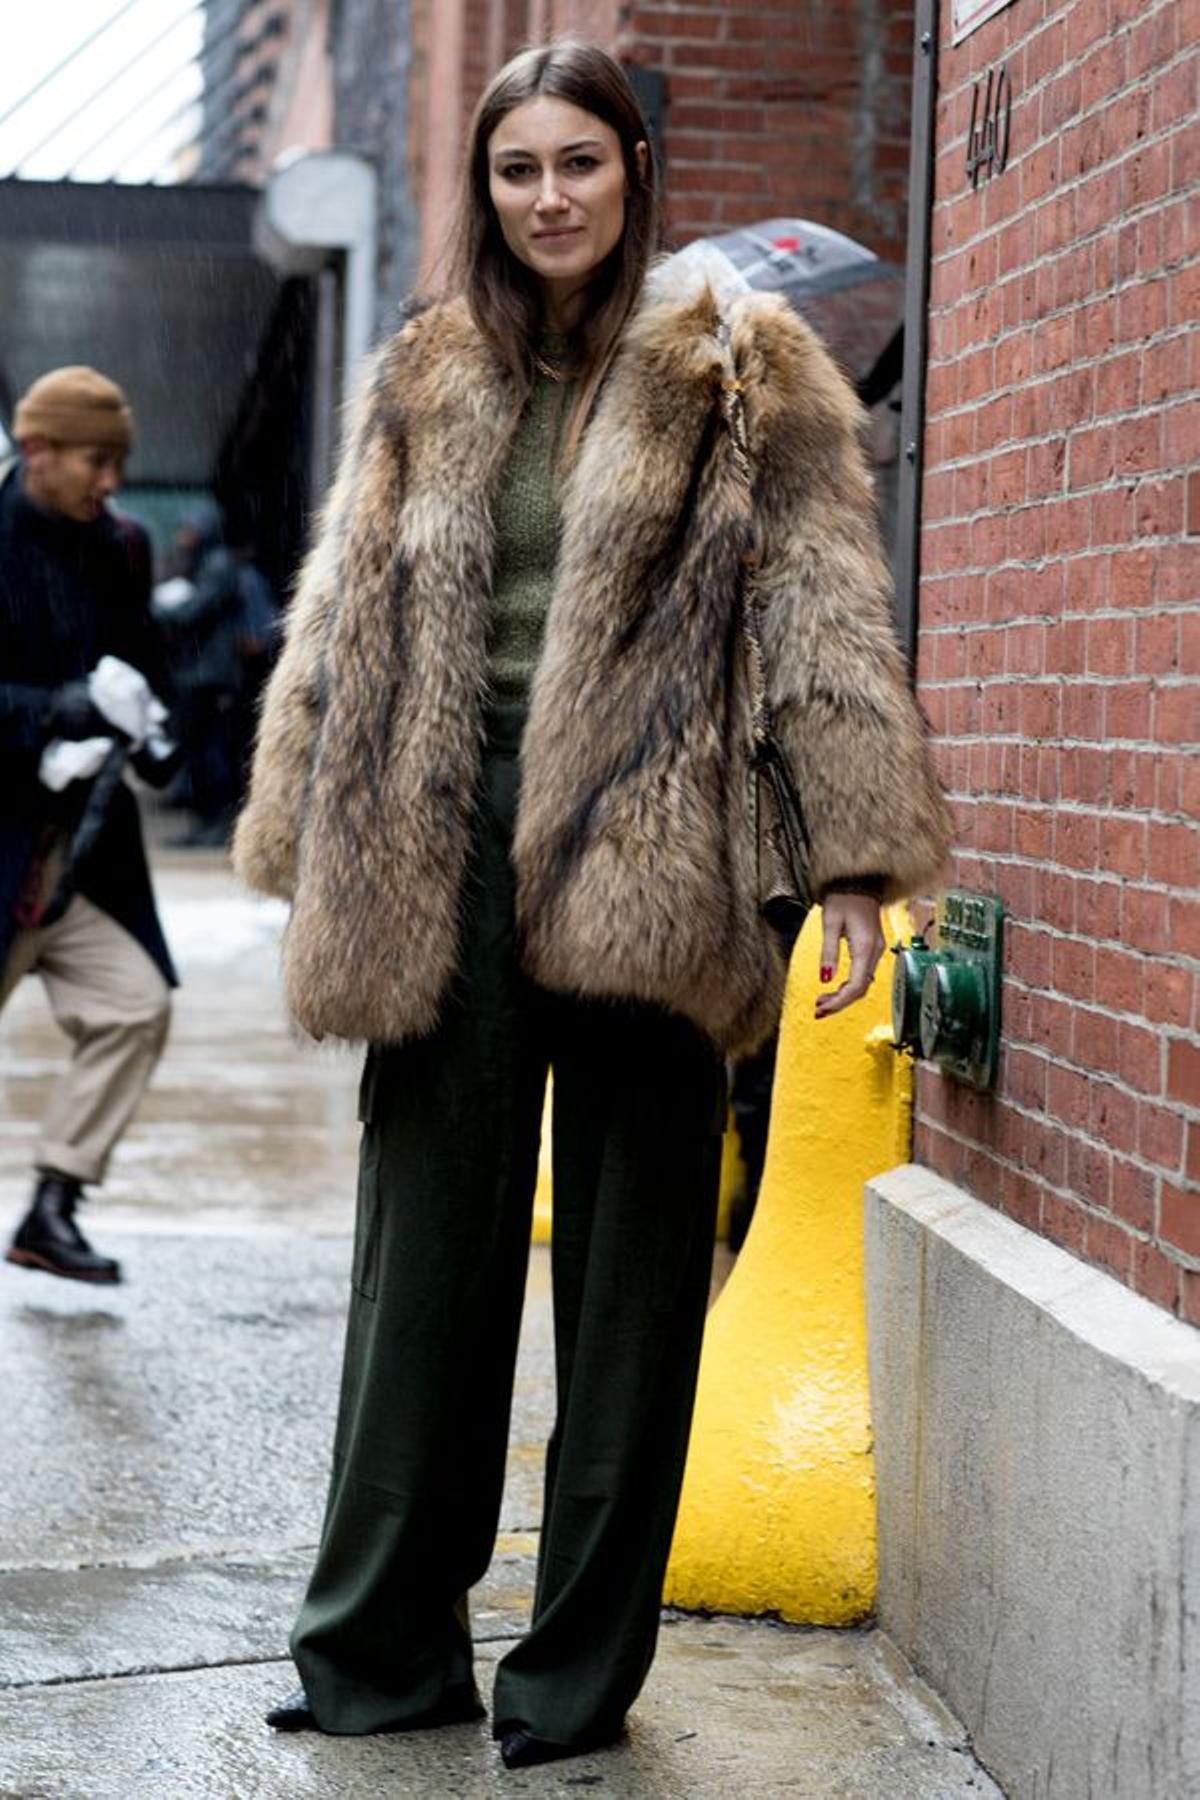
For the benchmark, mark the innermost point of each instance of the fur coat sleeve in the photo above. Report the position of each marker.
(838, 683)
(266, 841)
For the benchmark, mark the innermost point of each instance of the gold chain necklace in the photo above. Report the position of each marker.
(548, 369)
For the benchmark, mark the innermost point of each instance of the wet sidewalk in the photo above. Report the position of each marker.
(164, 1447)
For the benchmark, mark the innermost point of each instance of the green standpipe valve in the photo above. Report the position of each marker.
(912, 960)
(946, 1002)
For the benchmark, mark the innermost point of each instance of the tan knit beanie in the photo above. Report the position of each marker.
(75, 405)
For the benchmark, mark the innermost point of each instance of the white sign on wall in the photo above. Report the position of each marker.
(968, 14)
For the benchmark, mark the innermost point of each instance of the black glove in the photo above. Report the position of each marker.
(72, 713)
(159, 768)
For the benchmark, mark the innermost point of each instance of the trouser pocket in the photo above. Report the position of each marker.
(364, 1269)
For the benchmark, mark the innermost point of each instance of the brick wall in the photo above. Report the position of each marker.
(782, 107)
(771, 106)
(1059, 635)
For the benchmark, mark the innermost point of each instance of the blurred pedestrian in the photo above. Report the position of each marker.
(80, 664)
(258, 646)
(201, 614)
(503, 775)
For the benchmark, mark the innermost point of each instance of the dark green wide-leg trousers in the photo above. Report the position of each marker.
(447, 1174)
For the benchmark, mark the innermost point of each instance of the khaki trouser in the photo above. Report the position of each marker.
(107, 994)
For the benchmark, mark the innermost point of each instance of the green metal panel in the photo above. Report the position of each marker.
(946, 1002)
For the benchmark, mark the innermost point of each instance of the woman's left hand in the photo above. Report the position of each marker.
(854, 917)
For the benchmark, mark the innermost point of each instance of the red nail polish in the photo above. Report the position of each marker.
(826, 974)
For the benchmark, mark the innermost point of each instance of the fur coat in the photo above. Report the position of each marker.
(634, 847)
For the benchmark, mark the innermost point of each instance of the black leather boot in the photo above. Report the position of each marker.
(48, 1237)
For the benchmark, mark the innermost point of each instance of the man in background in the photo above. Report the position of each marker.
(76, 904)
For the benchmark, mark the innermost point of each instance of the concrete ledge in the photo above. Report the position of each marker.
(1037, 1444)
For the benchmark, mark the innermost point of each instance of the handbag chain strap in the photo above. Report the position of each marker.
(734, 413)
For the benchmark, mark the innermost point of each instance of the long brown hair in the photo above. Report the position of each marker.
(500, 290)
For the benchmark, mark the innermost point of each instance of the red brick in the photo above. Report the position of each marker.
(1157, 644)
(1139, 445)
(1160, 1136)
(1089, 1172)
(1098, 908)
(1139, 1058)
(1113, 516)
(1158, 507)
(1084, 775)
(1067, 1095)
(1152, 41)
(1172, 853)
(1093, 456)
(1033, 833)
(1127, 710)
(1122, 846)
(1113, 1116)
(1177, 784)
(1089, 587)
(1095, 1040)
(1177, 715)
(1056, 900)
(1183, 1072)
(1021, 1199)
(1142, 310)
(1145, 176)
(1155, 1276)
(1119, 382)
(1144, 913)
(1076, 839)
(1120, 980)
(1065, 647)
(1064, 1221)
(1169, 994)
(1050, 1024)
(1179, 1218)
(1025, 1078)
(1110, 647)
(1110, 1245)
(1189, 1296)
(1133, 573)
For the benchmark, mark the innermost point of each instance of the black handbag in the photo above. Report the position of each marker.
(782, 845)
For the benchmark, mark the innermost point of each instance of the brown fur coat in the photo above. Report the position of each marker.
(633, 850)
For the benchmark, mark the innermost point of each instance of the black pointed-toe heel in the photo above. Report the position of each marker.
(521, 1750)
(292, 1714)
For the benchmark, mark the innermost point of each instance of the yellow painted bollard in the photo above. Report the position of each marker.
(543, 1215)
(733, 1175)
(778, 1507)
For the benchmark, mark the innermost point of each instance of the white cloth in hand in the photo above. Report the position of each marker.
(72, 759)
(125, 697)
(128, 702)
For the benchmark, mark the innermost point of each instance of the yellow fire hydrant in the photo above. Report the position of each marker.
(778, 1508)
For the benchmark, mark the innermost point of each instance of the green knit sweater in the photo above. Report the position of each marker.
(526, 516)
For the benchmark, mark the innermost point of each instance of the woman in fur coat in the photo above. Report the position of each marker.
(502, 778)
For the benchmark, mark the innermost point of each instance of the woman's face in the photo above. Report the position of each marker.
(557, 181)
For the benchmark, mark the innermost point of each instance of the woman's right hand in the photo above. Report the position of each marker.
(854, 917)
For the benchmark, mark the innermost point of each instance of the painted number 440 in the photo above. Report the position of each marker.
(991, 113)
